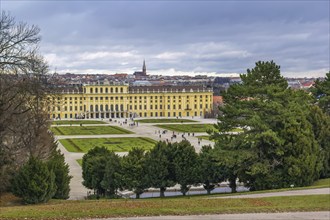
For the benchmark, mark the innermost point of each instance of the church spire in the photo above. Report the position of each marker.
(144, 68)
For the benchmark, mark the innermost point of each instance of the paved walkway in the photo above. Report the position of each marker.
(325, 215)
(78, 191)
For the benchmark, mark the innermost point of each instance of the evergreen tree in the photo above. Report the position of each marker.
(134, 175)
(277, 147)
(210, 169)
(158, 167)
(34, 183)
(93, 168)
(62, 178)
(112, 180)
(186, 166)
(321, 127)
(321, 92)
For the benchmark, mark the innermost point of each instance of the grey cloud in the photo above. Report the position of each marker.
(214, 36)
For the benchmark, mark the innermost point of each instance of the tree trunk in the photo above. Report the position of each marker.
(184, 189)
(208, 187)
(232, 184)
(137, 195)
(162, 192)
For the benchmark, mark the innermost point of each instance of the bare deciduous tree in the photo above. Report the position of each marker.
(23, 98)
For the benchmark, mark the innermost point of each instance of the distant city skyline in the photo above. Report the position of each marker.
(180, 37)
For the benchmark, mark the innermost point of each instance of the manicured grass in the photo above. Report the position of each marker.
(57, 209)
(88, 130)
(113, 144)
(322, 183)
(188, 127)
(205, 137)
(79, 161)
(164, 120)
(76, 122)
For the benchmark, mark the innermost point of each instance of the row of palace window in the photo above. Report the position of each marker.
(121, 107)
(145, 114)
(106, 90)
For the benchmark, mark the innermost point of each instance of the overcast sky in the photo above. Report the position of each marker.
(180, 37)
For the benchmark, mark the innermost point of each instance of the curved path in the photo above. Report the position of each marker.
(245, 216)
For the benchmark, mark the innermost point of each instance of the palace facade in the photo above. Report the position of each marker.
(123, 101)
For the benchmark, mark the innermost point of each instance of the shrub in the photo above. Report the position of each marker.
(34, 183)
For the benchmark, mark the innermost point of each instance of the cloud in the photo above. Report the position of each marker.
(187, 37)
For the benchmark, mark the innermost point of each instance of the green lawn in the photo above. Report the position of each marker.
(59, 209)
(79, 161)
(76, 122)
(187, 127)
(322, 183)
(88, 130)
(113, 144)
(164, 120)
(205, 137)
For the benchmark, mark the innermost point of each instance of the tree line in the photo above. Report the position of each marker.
(163, 166)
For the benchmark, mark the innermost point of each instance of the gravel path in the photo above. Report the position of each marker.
(246, 216)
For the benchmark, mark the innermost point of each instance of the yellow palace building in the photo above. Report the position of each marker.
(118, 100)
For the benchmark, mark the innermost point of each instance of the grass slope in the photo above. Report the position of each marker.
(57, 209)
(187, 127)
(77, 122)
(113, 144)
(88, 130)
(164, 120)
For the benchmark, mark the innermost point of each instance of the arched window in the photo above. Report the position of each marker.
(96, 90)
(96, 108)
(101, 107)
(101, 90)
(91, 108)
(121, 90)
(116, 90)
(116, 107)
(106, 90)
(106, 107)
(91, 90)
(111, 107)
(111, 90)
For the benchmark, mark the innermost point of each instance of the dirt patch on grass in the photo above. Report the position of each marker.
(8, 199)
